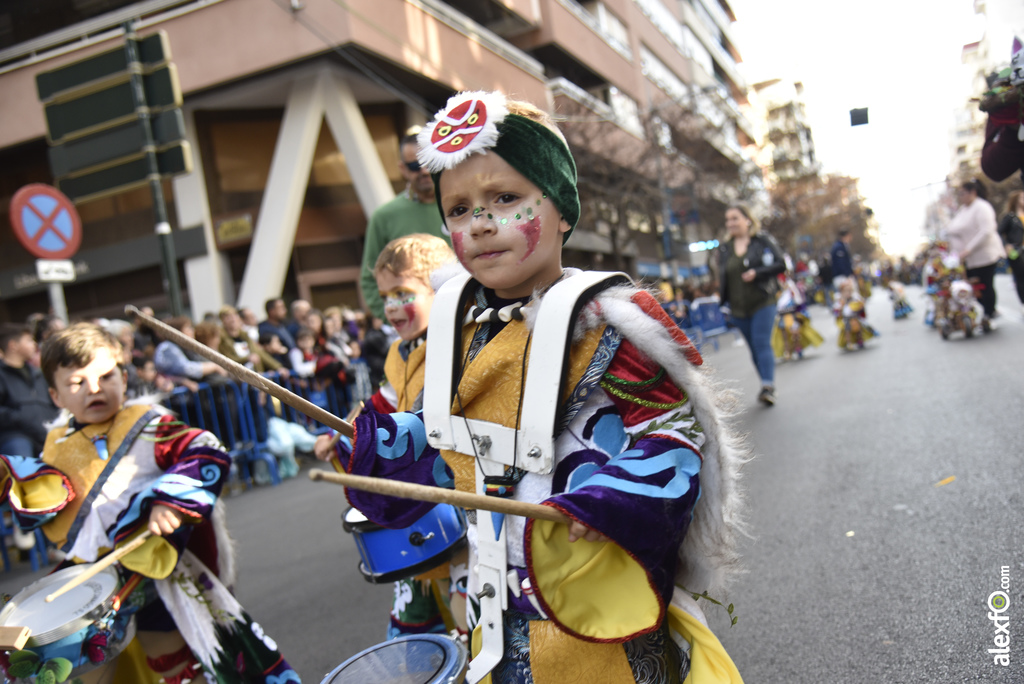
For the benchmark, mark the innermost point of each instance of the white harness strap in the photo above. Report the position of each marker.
(497, 446)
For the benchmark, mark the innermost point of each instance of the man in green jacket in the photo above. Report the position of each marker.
(414, 210)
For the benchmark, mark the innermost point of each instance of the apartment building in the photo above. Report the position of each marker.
(293, 110)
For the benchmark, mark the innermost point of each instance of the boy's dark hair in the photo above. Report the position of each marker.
(843, 232)
(266, 338)
(12, 331)
(75, 347)
(303, 331)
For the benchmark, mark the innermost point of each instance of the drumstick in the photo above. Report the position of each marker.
(246, 375)
(349, 418)
(408, 490)
(101, 564)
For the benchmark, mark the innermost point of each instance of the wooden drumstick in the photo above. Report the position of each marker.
(408, 490)
(101, 564)
(349, 418)
(246, 375)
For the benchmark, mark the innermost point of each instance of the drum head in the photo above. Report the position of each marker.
(417, 659)
(68, 613)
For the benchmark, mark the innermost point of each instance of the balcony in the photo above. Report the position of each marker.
(506, 19)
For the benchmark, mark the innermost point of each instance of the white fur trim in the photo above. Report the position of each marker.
(445, 272)
(709, 553)
(225, 545)
(433, 157)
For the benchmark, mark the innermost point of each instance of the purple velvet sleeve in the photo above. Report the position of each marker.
(394, 446)
(642, 500)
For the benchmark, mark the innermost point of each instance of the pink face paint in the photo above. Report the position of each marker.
(531, 231)
(410, 312)
(457, 246)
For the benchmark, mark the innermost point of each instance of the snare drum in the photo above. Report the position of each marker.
(414, 659)
(82, 626)
(389, 555)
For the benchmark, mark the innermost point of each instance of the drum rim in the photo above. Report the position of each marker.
(58, 578)
(417, 568)
(454, 650)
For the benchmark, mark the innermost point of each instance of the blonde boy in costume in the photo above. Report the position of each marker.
(114, 471)
(403, 271)
(640, 461)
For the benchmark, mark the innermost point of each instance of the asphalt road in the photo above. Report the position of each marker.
(861, 567)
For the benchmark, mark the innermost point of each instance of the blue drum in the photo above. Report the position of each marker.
(389, 555)
(413, 659)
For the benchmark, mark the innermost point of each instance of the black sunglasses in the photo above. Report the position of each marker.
(413, 166)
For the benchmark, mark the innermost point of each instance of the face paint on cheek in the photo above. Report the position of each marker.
(531, 231)
(458, 248)
(410, 312)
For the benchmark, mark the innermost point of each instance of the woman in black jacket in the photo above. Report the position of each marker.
(1011, 231)
(749, 263)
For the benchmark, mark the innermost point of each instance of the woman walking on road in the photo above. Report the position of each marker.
(1011, 230)
(749, 263)
(972, 236)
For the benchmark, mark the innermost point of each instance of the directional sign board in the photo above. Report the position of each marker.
(92, 111)
(153, 50)
(127, 140)
(45, 222)
(127, 173)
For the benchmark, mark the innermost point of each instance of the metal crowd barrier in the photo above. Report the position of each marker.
(237, 414)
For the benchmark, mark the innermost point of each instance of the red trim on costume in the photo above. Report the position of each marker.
(166, 451)
(277, 662)
(527, 536)
(630, 364)
(169, 661)
(47, 469)
(380, 404)
(650, 306)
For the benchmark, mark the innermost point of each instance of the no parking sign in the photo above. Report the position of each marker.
(46, 222)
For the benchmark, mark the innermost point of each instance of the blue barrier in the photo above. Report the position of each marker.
(706, 315)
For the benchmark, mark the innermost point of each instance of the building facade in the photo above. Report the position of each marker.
(293, 111)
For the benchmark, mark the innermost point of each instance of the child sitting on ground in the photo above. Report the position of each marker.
(114, 471)
(402, 272)
(637, 454)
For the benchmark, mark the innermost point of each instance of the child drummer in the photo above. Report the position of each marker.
(115, 471)
(643, 465)
(403, 271)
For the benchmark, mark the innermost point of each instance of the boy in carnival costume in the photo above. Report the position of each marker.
(114, 471)
(403, 271)
(635, 451)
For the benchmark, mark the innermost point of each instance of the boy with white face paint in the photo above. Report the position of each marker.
(640, 452)
(422, 603)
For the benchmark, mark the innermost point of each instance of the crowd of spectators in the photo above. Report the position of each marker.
(338, 348)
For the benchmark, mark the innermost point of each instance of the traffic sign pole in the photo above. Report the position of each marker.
(57, 302)
(163, 226)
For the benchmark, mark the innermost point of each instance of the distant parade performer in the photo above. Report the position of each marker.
(851, 317)
(106, 476)
(1002, 153)
(403, 268)
(793, 331)
(900, 306)
(641, 460)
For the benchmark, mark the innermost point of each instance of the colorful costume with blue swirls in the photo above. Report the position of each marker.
(642, 456)
(93, 489)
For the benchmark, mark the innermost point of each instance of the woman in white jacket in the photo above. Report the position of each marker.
(973, 237)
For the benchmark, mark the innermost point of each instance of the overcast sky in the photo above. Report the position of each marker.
(898, 58)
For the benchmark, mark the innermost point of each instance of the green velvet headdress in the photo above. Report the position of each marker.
(477, 122)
